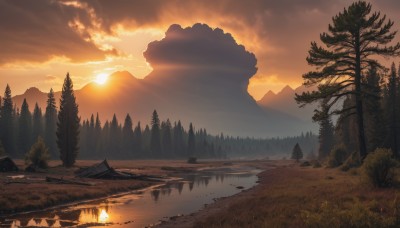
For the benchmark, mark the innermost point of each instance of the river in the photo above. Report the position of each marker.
(146, 207)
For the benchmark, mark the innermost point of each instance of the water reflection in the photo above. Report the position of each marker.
(143, 207)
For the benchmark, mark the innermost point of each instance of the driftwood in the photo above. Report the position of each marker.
(65, 181)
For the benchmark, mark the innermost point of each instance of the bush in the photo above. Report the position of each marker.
(352, 161)
(316, 164)
(305, 163)
(337, 156)
(38, 155)
(192, 160)
(379, 167)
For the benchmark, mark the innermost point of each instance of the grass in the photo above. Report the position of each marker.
(310, 197)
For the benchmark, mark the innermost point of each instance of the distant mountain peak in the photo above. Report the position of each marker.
(32, 91)
(286, 89)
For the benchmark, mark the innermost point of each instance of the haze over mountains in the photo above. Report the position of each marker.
(199, 75)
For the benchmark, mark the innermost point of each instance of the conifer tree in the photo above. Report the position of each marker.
(178, 140)
(191, 142)
(374, 121)
(37, 123)
(137, 141)
(25, 129)
(326, 135)
(392, 110)
(97, 134)
(146, 142)
(51, 124)
(297, 154)
(127, 136)
(115, 137)
(68, 125)
(354, 38)
(155, 144)
(7, 120)
(166, 129)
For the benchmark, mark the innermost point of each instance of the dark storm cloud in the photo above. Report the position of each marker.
(37, 31)
(200, 47)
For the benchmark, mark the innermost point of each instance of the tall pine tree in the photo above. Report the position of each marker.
(355, 37)
(155, 144)
(7, 120)
(68, 125)
(51, 124)
(25, 129)
(37, 123)
(191, 141)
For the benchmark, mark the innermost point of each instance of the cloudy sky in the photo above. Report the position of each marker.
(42, 40)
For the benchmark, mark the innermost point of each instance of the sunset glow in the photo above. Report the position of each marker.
(101, 79)
(103, 217)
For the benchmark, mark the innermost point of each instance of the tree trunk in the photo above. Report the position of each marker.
(359, 108)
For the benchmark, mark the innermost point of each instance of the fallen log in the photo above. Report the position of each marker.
(66, 181)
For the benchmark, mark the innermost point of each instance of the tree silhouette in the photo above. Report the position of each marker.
(68, 124)
(37, 123)
(354, 38)
(7, 119)
(297, 154)
(127, 136)
(25, 128)
(155, 144)
(51, 124)
(191, 141)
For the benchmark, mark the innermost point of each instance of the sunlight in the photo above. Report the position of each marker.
(101, 78)
(103, 217)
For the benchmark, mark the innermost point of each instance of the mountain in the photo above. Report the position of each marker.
(212, 107)
(283, 101)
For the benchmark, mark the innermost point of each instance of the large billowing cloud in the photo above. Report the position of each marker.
(201, 49)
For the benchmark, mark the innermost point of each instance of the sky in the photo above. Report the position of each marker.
(40, 41)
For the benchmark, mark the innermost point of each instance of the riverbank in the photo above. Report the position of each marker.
(294, 196)
(21, 191)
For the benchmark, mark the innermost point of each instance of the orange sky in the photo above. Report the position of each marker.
(42, 40)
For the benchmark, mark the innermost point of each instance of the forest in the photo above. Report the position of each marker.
(125, 140)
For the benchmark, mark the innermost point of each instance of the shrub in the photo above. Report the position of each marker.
(38, 155)
(337, 156)
(316, 164)
(305, 163)
(379, 167)
(353, 161)
(192, 160)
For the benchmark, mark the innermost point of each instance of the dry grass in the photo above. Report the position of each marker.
(309, 197)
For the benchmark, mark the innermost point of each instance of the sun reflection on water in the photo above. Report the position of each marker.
(103, 217)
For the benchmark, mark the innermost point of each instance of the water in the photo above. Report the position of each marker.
(143, 208)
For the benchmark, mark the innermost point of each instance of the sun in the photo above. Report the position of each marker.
(101, 78)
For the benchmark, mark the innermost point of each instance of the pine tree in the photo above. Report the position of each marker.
(146, 142)
(155, 144)
(297, 154)
(25, 129)
(354, 38)
(97, 134)
(374, 121)
(51, 124)
(178, 140)
(68, 125)
(137, 141)
(128, 137)
(326, 135)
(91, 136)
(7, 120)
(37, 123)
(191, 142)
(115, 137)
(166, 138)
(391, 112)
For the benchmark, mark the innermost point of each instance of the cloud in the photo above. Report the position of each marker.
(200, 48)
(38, 31)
